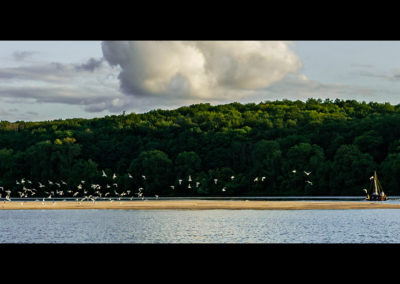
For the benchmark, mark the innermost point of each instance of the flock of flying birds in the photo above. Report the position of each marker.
(82, 193)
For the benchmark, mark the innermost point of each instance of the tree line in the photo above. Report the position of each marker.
(340, 142)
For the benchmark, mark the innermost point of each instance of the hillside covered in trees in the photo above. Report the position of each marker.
(340, 142)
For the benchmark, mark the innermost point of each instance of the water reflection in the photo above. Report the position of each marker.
(203, 226)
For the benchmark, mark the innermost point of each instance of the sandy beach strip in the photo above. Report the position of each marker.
(197, 205)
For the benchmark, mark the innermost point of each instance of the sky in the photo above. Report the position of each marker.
(48, 80)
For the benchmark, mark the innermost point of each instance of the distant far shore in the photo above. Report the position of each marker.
(196, 205)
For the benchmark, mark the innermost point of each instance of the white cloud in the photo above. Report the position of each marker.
(199, 71)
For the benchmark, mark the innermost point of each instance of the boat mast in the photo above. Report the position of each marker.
(375, 183)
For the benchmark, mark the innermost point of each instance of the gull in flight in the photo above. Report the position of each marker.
(189, 186)
(256, 179)
(197, 184)
(232, 177)
(309, 182)
(180, 181)
(104, 174)
(129, 175)
(190, 178)
(50, 182)
(114, 176)
(144, 177)
(294, 171)
(263, 178)
(172, 187)
(215, 180)
(224, 189)
(307, 173)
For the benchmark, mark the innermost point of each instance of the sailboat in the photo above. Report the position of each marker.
(375, 192)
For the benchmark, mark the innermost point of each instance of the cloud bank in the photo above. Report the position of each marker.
(199, 71)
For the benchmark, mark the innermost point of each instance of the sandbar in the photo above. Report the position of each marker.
(197, 205)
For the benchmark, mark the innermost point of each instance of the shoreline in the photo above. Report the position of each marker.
(197, 205)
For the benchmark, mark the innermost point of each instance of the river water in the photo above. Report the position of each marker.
(200, 226)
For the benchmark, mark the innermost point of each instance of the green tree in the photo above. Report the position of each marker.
(187, 163)
(157, 169)
(351, 170)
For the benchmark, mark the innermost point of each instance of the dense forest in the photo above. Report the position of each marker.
(274, 148)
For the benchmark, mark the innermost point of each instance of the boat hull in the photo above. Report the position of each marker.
(376, 198)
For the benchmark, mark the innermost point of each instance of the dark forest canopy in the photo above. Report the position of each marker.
(340, 142)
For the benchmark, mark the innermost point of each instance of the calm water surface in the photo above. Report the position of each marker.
(200, 226)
